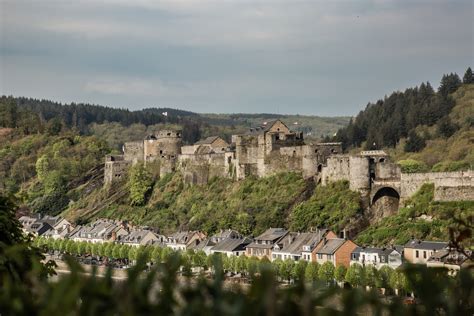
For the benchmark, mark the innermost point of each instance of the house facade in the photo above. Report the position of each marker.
(262, 246)
(418, 251)
(335, 250)
(376, 257)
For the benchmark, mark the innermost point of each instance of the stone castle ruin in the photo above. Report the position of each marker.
(272, 148)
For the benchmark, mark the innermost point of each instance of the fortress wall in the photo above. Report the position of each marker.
(133, 151)
(246, 149)
(412, 182)
(459, 193)
(337, 168)
(115, 170)
(188, 150)
(387, 170)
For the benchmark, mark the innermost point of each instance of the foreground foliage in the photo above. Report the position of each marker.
(26, 291)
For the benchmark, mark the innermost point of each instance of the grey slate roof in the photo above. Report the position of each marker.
(232, 244)
(295, 242)
(203, 244)
(272, 234)
(331, 246)
(428, 245)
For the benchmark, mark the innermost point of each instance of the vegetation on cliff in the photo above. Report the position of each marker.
(250, 206)
(421, 218)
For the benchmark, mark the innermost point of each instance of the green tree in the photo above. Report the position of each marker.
(299, 269)
(286, 269)
(446, 128)
(140, 183)
(42, 167)
(326, 272)
(384, 275)
(414, 142)
(449, 84)
(199, 259)
(371, 275)
(340, 273)
(468, 76)
(312, 271)
(355, 275)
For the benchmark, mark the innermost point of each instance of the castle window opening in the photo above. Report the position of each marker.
(161, 151)
(277, 137)
(315, 151)
(169, 134)
(382, 160)
(320, 167)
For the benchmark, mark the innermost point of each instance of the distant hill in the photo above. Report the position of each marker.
(33, 113)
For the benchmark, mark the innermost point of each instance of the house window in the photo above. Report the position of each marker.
(417, 254)
(424, 254)
(320, 256)
(330, 257)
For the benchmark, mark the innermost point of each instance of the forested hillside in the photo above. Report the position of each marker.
(422, 127)
(51, 160)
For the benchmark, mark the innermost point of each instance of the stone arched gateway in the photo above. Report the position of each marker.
(384, 201)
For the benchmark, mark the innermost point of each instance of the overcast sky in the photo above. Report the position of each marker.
(308, 57)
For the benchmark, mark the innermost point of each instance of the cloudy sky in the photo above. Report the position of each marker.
(279, 56)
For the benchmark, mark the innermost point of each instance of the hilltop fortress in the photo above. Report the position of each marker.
(274, 148)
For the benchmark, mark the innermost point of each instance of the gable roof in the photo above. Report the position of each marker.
(231, 244)
(296, 242)
(207, 141)
(428, 245)
(331, 246)
(272, 234)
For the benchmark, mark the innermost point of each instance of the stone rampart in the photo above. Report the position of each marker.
(412, 182)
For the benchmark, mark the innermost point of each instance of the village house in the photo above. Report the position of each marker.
(376, 257)
(140, 237)
(184, 240)
(296, 245)
(100, 231)
(418, 251)
(204, 245)
(263, 244)
(34, 225)
(335, 250)
(232, 246)
(450, 259)
(226, 234)
(60, 228)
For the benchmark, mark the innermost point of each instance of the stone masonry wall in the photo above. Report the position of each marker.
(412, 182)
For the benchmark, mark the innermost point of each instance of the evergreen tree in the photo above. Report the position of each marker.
(414, 142)
(449, 84)
(468, 76)
(446, 128)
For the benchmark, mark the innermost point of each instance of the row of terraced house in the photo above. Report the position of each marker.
(320, 245)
